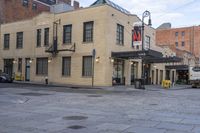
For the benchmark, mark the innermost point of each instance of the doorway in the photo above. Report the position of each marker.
(118, 72)
(27, 69)
(161, 76)
(134, 71)
(156, 76)
(8, 66)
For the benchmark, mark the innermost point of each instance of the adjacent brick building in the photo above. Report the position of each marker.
(15, 10)
(185, 39)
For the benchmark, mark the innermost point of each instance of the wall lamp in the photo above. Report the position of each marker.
(31, 61)
(97, 59)
(49, 60)
(14, 61)
(111, 60)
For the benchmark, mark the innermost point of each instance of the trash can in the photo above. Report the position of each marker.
(139, 84)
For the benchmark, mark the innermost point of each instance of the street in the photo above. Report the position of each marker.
(26, 108)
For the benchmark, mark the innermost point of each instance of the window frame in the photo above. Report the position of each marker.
(6, 41)
(67, 35)
(25, 3)
(34, 6)
(46, 37)
(19, 40)
(120, 35)
(66, 72)
(87, 72)
(88, 31)
(42, 71)
(39, 38)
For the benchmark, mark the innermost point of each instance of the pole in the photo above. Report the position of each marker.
(142, 74)
(93, 60)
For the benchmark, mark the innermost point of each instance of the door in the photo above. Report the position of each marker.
(27, 71)
(161, 76)
(152, 81)
(156, 76)
(8, 66)
(133, 72)
(118, 72)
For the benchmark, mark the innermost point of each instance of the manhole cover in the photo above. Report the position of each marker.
(153, 104)
(76, 127)
(33, 94)
(75, 118)
(94, 95)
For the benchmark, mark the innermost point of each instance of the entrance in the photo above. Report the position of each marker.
(27, 69)
(161, 76)
(118, 72)
(8, 66)
(134, 67)
(147, 74)
(156, 76)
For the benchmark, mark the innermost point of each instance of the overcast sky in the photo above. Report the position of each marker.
(178, 12)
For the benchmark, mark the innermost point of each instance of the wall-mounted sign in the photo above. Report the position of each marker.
(136, 36)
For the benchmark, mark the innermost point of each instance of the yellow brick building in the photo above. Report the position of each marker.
(24, 46)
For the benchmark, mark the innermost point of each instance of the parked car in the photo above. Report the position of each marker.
(5, 78)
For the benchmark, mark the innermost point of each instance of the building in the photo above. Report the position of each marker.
(184, 38)
(15, 10)
(88, 46)
(185, 43)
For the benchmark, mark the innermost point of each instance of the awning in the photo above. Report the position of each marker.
(177, 67)
(148, 56)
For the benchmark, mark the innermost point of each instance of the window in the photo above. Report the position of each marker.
(120, 34)
(176, 34)
(6, 41)
(147, 42)
(176, 43)
(87, 66)
(42, 66)
(19, 65)
(46, 37)
(88, 31)
(67, 34)
(39, 37)
(19, 40)
(183, 44)
(34, 6)
(25, 3)
(183, 33)
(66, 66)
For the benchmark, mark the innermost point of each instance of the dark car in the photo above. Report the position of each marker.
(5, 78)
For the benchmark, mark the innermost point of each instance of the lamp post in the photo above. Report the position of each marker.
(144, 15)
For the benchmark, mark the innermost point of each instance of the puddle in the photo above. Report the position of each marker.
(33, 94)
(75, 117)
(76, 127)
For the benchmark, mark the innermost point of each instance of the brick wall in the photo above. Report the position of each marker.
(190, 38)
(15, 10)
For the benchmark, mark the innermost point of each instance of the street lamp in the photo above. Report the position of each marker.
(144, 15)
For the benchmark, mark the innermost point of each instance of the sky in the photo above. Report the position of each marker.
(179, 13)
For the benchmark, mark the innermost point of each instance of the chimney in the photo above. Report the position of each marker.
(69, 2)
(76, 5)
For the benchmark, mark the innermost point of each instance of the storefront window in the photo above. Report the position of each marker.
(118, 72)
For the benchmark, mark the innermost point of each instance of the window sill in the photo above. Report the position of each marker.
(119, 44)
(6, 49)
(66, 44)
(41, 75)
(88, 42)
(86, 76)
(63, 76)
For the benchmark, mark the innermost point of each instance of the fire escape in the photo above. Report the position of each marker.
(53, 49)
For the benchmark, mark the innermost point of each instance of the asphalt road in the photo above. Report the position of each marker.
(26, 108)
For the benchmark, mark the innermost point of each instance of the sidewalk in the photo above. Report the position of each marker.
(111, 88)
